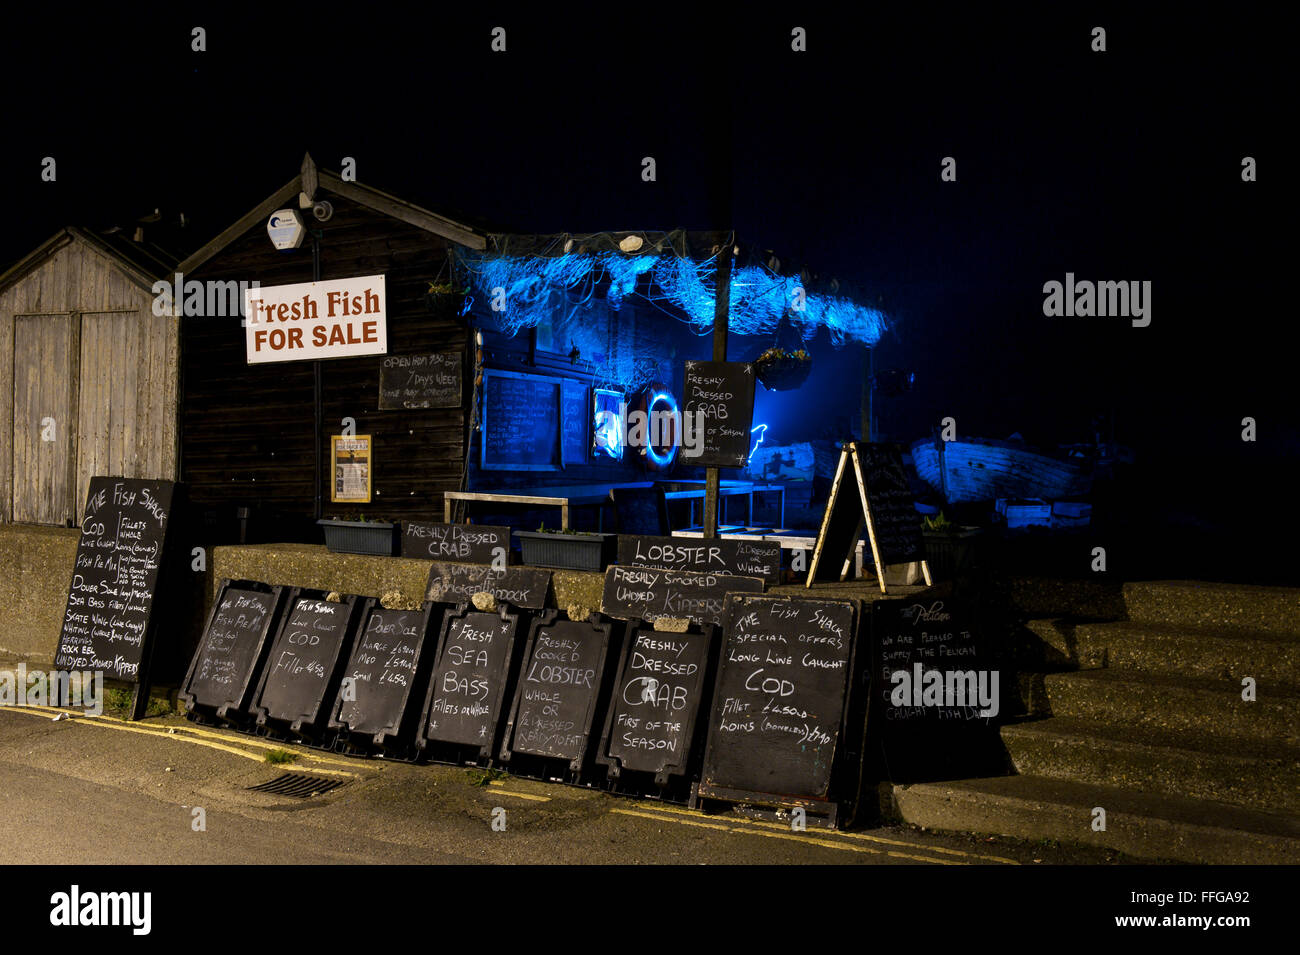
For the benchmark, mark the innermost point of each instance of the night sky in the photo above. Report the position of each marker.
(1122, 165)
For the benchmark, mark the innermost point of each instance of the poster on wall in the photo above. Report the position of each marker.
(351, 454)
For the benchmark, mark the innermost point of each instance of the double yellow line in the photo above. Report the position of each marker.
(199, 736)
(248, 747)
(859, 842)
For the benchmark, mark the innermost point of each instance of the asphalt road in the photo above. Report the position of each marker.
(100, 792)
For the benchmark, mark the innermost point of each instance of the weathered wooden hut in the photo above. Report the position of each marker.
(88, 373)
(255, 436)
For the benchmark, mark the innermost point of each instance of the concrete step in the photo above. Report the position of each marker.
(1229, 654)
(1254, 773)
(1198, 706)
(1202, 605)
(1138, 824)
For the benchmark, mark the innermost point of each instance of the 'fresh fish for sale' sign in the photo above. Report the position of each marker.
(342, 318)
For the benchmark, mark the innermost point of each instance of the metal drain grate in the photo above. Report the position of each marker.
(298, 786)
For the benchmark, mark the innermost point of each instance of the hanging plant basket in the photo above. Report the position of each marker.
(781, 370)
(441, 293)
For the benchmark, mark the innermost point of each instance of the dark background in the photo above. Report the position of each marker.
(1123, 165)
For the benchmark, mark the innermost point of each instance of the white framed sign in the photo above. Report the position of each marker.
(341, 318)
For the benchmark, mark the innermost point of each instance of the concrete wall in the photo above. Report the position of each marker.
(35, 570)
(307, 565)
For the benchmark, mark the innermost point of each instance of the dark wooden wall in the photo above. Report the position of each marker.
(247, 431)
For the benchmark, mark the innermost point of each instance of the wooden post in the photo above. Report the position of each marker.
(868, 389)
(721, 321)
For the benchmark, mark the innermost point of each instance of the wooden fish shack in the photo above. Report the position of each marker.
(256, 437)
(88, 373)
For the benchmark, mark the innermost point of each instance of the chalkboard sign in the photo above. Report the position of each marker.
(657, 696)
(724, 392)
(576, 416)
(870, 490)
(895, 522)
(518, 586)
(780, 698)
(466, 698)
(221, 678)
(559, 688)
(521, 422)
(383, 673)
(304, 667)
(106, 625)
(736, 556)
(650, 594)
(469, 543)
(917, 646)
(936, 688)
(420, 381)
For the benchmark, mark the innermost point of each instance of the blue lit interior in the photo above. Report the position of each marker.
(662, 458)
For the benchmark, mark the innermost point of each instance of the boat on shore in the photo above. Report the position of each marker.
(966, 470)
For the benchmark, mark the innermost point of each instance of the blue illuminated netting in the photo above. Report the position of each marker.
(759, 297)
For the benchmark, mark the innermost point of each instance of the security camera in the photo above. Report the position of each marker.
(322, 211)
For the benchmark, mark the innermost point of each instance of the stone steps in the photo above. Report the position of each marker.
(1200, 605)
(1189, 706)
(1162, 648)
(1139, 824)
(1253, 773)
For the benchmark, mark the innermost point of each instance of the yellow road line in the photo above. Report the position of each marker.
(861, 836)
(498, 785)
(162, 733)
(789, 836)
(511, 792)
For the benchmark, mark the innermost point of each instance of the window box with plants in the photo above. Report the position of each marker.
(949, 548)
(359, 534)
(567, 550)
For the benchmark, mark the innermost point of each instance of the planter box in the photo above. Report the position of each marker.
(568, 551)
(360, 537)
(950, 554)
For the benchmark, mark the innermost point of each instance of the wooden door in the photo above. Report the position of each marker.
(46, 355)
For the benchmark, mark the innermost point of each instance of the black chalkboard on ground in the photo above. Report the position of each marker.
(108, 623)
(735, 556)
(521, 422)
(467, 695)
(518, 586)
(724, 392)
(937, 693)
(420, 381)
(468, 543)
(303, 670)
(649, 593)
(223, 674)
(562, 684)
(780, 701)
(384, 675)
(870, 490)
(652, 725)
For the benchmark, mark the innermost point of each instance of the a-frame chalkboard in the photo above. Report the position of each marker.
(223, 674)
(110, 620)
(870, 489)
(304, 667)
(464, 710)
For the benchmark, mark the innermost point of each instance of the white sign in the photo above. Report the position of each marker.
(285, 229)
(337, 319)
